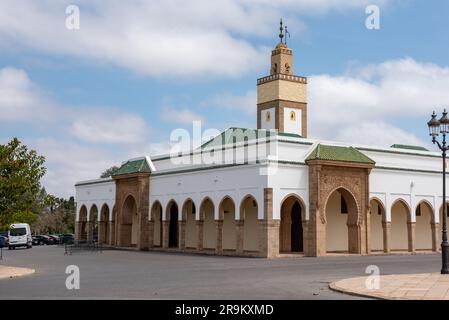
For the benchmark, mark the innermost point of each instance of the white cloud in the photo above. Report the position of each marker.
(106, 127)
(160, 38)
(244, 103)
(363, 105)
(20, 99)
(183, 115)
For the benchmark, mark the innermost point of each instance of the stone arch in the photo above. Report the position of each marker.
(172, 217)
(208, 236)
(103, 227)
(249, 221)
(342, 221)
(291, 232)
(378, 225)
(128, 222)
(156, 218)
(92, 229)
(400, 222)
(189, 235)
(227, 237)
(82, 223)
(425, 226)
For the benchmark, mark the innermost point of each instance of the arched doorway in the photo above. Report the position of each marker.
(423, 229)
(92, 234)
(227, 214)
(188, 217)
(400, 215)
(82, 218)
(129, 223)
(156, 217)
(173, 228)
(207, 212)
(342, 229)
(377, 219)
(249, 216)
(291, 231)
(104, 225)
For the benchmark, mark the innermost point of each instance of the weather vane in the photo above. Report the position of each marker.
(287, 35)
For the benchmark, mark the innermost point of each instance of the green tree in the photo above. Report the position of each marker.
(109, 172)
(20, 173)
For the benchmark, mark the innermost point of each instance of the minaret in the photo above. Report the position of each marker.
(282, 96)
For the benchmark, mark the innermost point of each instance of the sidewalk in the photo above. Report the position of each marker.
(12, 272)
(423, 286)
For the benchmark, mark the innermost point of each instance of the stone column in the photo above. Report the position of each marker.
(354, 239)
(199, 231)
(102, 232)
(78, 230)
(111, 240)
(411, 236)
(239, 236)
(219, 243)
(90, 230)
(435, 237)
(165, 233)
(182, 234)
(150, 234)
(268, 228)
(386, 228)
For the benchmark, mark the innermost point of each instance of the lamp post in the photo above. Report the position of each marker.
(437, 127)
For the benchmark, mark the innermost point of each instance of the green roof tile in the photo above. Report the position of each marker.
(335, 153)
(133, 166)
(408, 147)
(236, 135)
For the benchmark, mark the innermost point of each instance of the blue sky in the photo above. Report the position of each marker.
(116, 88)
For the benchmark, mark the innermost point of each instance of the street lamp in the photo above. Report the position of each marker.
(437, 127)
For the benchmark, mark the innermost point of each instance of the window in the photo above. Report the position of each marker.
(267, 116)
(344, 206)
(17, 232)
(293, 116)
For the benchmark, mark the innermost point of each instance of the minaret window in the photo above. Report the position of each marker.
(293, 116)
(268, 116)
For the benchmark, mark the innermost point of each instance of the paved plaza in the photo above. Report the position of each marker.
(117, 274)
(423, 286)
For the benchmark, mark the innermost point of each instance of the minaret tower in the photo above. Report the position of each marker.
(282, 96)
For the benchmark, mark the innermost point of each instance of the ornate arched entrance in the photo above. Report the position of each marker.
(342, 214)
(128, 223)
(82, 224)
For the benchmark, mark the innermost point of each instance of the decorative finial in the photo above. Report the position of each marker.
(287, 35)
(281, 34)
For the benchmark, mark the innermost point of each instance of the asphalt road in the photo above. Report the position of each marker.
(118, 274)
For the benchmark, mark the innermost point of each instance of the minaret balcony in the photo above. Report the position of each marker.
(280, 76)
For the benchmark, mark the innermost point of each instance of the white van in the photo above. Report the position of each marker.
(19, 235)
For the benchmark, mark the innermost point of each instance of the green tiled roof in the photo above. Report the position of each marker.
(335, 153)
(408, 147)
(236, 135)
(134, 166)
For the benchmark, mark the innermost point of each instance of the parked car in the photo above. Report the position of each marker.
(42, 239)
(66, 238)
(55, 238)
(3, 241)
(19, 235)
